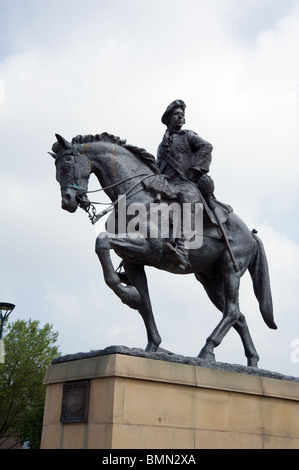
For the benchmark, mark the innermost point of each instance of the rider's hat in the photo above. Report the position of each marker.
(169, 110)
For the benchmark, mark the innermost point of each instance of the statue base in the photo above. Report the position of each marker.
(124, 399)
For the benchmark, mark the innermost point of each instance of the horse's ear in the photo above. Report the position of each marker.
(63, 142)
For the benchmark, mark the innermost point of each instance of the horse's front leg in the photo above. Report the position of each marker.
(129, 295)
(137, 277)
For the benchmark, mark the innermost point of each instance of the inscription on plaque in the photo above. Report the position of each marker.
(75, 402)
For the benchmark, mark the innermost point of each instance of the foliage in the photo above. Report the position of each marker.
(28, 353)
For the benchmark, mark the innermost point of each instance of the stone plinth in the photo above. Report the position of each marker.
(141, 403)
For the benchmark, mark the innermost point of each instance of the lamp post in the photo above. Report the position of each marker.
(5, 311)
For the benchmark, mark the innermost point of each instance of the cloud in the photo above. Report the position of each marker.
(95, 66)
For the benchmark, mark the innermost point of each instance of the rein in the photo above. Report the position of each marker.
(76, 186)
(93, 216)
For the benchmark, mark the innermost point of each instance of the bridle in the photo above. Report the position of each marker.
(90, 209)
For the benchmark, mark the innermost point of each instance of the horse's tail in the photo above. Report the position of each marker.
(259, 272)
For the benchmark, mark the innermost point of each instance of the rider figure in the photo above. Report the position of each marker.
(184, 157)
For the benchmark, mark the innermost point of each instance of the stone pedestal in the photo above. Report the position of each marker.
(117, 401)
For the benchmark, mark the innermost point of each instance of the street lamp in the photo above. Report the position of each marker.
(5, 311)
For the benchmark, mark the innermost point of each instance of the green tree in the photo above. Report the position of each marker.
(28, 352)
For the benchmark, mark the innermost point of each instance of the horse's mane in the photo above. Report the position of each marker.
(141, 153)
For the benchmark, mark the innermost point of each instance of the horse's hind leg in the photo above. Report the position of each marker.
(231, 317)
(216, 292)
(137, 278)
(231, 314)
(250, 351)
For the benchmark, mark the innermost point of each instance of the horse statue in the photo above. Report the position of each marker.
(125, 170)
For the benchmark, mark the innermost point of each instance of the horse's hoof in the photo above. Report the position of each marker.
(152, 347)
(207, 356)
(252, 362)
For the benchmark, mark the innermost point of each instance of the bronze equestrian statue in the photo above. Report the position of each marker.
(136, 183)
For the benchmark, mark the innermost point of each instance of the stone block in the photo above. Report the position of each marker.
(144, 403)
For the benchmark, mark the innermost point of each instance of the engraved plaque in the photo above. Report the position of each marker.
(75, 402)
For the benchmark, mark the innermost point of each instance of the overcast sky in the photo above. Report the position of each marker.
(85, 67)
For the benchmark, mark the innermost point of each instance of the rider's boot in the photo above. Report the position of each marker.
(178, 254)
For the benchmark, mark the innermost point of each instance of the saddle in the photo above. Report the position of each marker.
(162, 188)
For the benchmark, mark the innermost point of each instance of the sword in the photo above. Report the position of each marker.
(213, 207)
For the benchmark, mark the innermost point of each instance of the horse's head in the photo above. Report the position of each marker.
(72, 173)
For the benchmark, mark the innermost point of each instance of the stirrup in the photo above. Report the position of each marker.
(178, 255)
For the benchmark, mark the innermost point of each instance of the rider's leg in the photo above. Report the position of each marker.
(188, 196)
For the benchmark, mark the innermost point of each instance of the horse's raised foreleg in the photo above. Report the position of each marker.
(137, 277)
(129, 295)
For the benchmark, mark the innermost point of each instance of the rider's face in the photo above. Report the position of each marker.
(177, 119)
